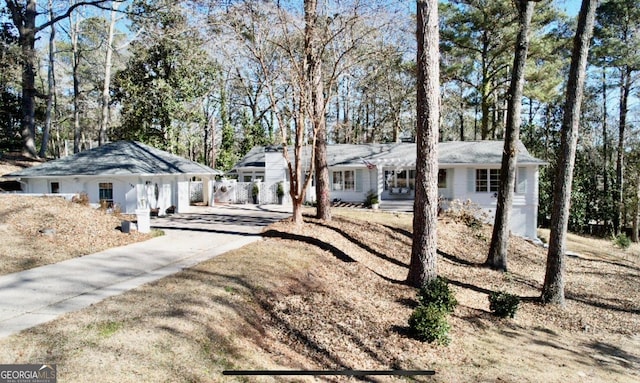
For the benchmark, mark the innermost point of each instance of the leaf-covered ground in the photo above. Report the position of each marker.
(331, 296)
(37, 231)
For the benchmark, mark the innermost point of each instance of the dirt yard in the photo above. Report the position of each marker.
(331, 296)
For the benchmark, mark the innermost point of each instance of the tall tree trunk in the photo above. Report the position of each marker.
(636, 211)
(51, 90)
(423, 267)
(75, 62)
(24, 19)
(625, 89)
(497, 258)
(605, 148)
(315, 86)
(27, 30)
(484, 95)
(104, 121)
(553, 288)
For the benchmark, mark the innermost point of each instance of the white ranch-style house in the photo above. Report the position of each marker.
(468, 170)
(128, 174)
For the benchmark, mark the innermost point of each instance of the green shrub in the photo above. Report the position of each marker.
(429, 323)
(503, 304)
(371, 199)
(437, 293)
(280, 190)
(622, 241)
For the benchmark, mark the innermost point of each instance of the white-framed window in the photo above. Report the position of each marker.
(105, 194)
(54, 187)
(402, 179)
(442, 178)
(487, 180)
(344, 180)
(251, 176)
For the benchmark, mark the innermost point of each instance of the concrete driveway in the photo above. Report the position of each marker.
(42, 294)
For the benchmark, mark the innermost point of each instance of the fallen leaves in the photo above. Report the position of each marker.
(43, 230)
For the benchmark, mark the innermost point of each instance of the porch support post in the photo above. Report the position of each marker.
(379, 181)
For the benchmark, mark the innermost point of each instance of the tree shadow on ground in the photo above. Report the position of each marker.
(336, 252)
(341, 255)
(619, 356)
(365, 247)
(299, 336)
(581, 258)
(591, 300)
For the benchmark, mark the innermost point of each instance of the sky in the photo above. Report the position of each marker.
(571, 7)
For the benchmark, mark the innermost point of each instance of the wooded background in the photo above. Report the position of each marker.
(208, 80)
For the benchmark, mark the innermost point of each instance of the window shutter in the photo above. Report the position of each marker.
(358, 180)
(330, 180)
(522, 181)
(471, 180)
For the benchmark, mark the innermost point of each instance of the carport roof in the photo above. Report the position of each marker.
(117, 158)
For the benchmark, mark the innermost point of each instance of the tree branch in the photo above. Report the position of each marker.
(93, 3)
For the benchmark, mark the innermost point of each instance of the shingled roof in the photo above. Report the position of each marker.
(117, 158)
(404, 154)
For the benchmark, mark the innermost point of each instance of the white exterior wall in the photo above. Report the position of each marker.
(525, 199)
(364, 182)
(128, 191)
(275, 167)
(183, 203)
(447, 192)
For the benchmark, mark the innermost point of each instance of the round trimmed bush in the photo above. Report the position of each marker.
(503, 304)
(436, 292)
(429, 323)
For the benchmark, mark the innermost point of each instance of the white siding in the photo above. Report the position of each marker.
(364, 181)
(525, 200)
(275, 167)
(182, 204)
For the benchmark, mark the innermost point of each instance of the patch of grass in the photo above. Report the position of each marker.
(108, 328)
(157, 233)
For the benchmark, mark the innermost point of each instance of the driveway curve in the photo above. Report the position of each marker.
(38, 295)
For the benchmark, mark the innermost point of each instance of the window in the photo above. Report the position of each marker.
(400, 179)
(344, 180)
(487, 180)
(251, 176)
(442, 178)
(105, 193)
(494, 179)
(55, 187)
(481, 180)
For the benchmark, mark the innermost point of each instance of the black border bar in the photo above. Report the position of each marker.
(328, 372)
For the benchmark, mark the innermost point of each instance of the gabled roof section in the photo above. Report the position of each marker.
(255, 157)
(117, 158)
(404, 154)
